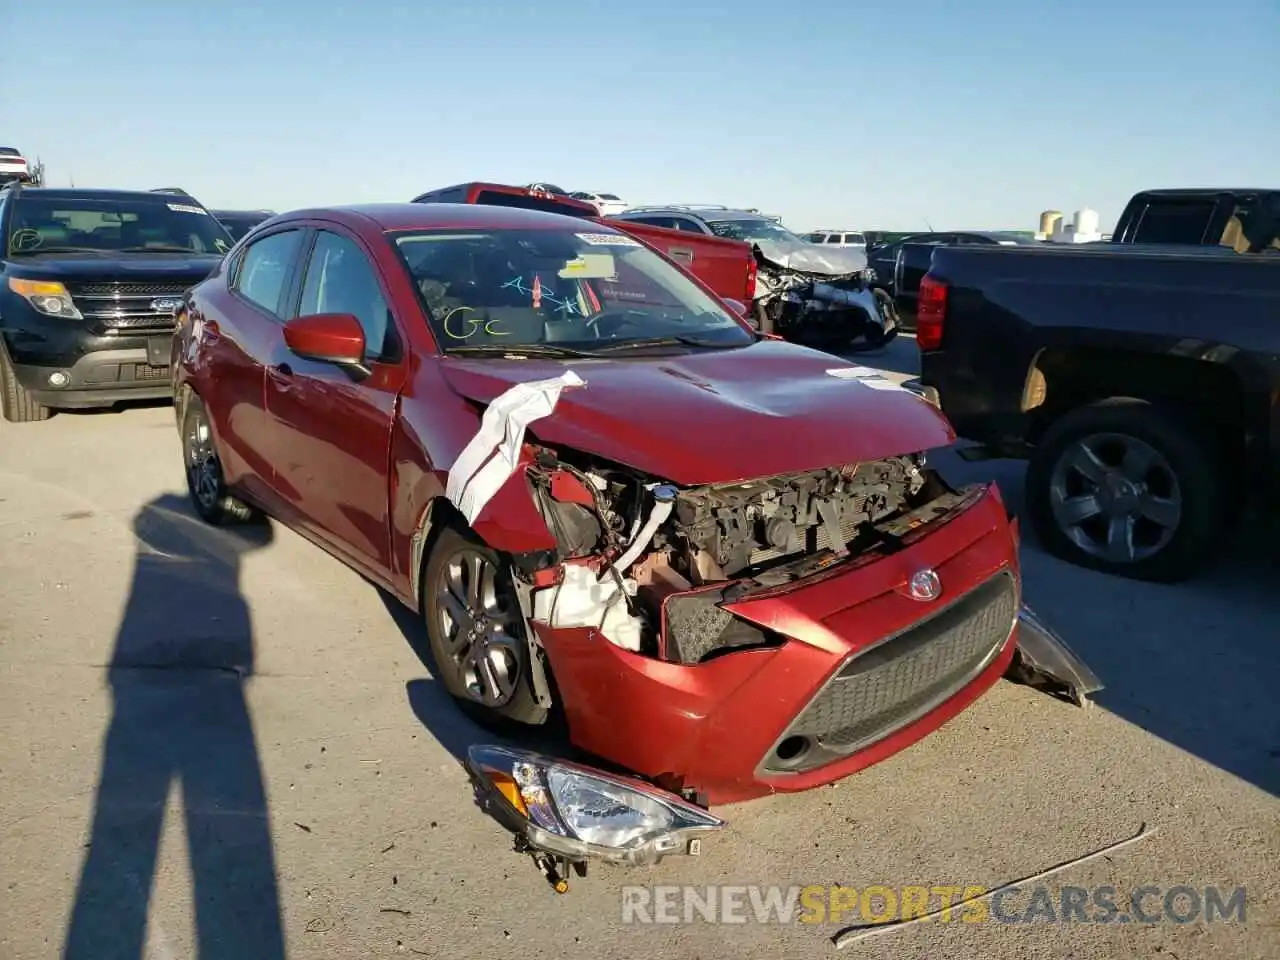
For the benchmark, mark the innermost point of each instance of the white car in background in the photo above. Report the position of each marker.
(607, 203)
(13, 165)
(838, 238)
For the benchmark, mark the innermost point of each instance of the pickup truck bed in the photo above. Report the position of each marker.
(1060, 352)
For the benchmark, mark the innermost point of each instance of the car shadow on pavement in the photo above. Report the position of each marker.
(1196, 664)
(180, 723)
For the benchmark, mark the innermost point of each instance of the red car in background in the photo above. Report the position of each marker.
(723, 558)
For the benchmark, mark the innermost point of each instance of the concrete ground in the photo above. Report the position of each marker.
(224, 746)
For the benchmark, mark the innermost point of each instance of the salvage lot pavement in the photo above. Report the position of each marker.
(280, 776)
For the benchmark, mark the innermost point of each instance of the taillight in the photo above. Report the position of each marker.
(751, 280)
(931, 313)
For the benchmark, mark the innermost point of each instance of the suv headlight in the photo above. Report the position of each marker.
(47, 297)
(869, 275)
(575, 812)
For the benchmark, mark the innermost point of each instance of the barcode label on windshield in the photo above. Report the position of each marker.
(187, 208)
(608, 240)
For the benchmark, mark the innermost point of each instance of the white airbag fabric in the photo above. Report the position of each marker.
(490, 458)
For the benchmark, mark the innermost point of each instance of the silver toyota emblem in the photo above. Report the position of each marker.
(166, 304)
(925, 585)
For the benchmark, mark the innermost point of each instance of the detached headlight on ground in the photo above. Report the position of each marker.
(566, 814)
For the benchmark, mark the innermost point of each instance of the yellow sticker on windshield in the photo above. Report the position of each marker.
(590, 266)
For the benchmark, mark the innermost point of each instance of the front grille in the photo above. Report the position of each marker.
(899, 680)
(126, 306)
(113, 290)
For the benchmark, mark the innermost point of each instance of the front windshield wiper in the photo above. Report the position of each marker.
(678, 340)
(39, 250)
(156, 249)
(519, 349)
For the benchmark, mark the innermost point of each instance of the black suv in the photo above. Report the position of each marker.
(89, 284)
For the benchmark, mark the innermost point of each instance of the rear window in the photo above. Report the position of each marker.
(9, 152)
(610, 196)
(524, 201)
(1175, 222)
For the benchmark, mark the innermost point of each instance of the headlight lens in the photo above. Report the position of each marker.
(583, 807)
(47, 297)
(605, 814)
(869, 275)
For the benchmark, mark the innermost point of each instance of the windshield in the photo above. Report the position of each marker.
(239, 224)
(587, 291)
(753, 231)
(157, 225)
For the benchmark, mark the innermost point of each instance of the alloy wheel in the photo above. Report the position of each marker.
(479, 627)
(204, 472)
(1116, 497)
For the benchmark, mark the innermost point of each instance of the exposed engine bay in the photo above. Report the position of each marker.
(822, 309)
(638, 555)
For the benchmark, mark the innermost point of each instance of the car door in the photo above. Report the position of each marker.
(234, 331)
(333, 427)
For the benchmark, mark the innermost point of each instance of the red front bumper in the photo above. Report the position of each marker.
(864, 672)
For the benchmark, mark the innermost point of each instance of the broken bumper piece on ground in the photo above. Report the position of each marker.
(566, 814)
(1043, 660)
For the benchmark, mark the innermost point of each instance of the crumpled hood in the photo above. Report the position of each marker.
(815, 258)
(716, 416)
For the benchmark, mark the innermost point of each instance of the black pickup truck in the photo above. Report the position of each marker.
(1240, 220)
(89, 282)
(1141, 382)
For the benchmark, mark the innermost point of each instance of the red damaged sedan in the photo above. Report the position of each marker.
(721, 556)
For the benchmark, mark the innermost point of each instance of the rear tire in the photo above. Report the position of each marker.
(17, 403)
(1155, 482)
(477, 632)
(205, 483)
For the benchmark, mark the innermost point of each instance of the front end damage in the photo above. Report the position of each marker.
(698, 586)
(728, 640)
(809, 303)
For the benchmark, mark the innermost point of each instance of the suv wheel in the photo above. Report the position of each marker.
(1120, 487)
(17, 403)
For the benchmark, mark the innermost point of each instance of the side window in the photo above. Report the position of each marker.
(688, 226)
(1175, 222)
(264, 269)
(855, 238)
(340, 279)
(654, 221)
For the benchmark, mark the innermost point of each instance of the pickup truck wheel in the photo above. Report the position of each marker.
(477, 632)
(1120, 487)
(205, 483)
(18, 404)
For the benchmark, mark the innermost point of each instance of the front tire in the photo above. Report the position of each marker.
(477, 632)
(16, 401)
(205, 482)
(1120, 486)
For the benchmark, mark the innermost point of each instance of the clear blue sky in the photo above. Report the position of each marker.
(978, 113)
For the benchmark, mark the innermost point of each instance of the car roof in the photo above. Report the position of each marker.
(84, 193)
(1205, 191)
(427, 216)
(243, 213)
(711, 214)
